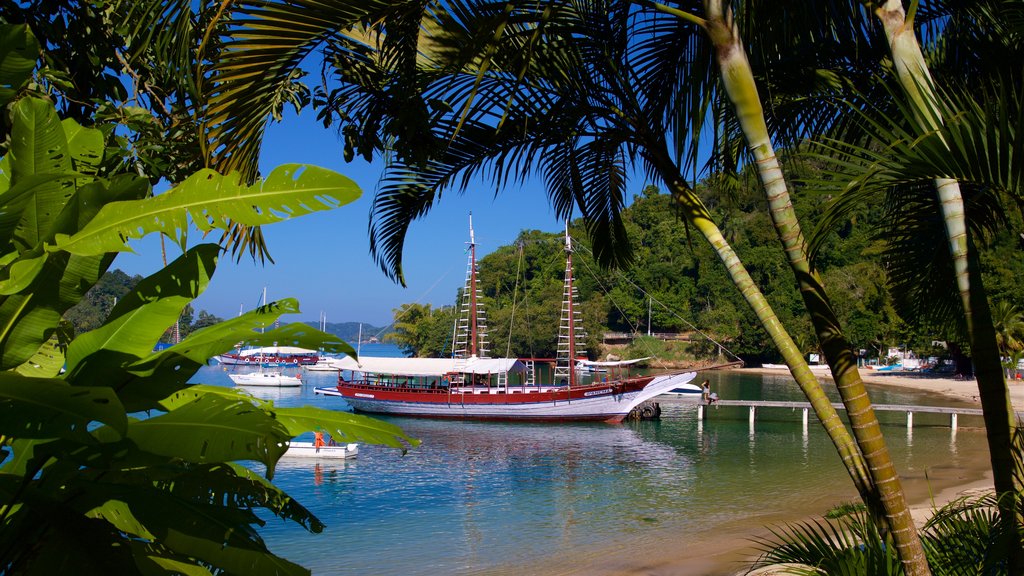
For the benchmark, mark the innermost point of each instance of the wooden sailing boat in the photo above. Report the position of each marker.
(471, 385)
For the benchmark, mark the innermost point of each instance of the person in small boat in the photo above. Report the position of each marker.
(318, 439)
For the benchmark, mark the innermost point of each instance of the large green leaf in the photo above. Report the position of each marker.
(39, 145)
(48, 361)
(226, 484)
(29, 318)
(19, 50)
(213, 201)
(40, 289)
(50, 408)
(213, 429)
(162, 374)
(139, 319)
(342, 426)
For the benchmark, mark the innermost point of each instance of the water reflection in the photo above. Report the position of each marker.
(498, 498)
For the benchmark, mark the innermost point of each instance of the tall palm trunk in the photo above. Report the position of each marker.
(697, 214)
(738, 80)
(916, 81)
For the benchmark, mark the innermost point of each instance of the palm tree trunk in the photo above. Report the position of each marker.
(915, 78)
(697, 214)
(738, 81)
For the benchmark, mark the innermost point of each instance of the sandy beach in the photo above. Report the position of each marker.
(968, 481)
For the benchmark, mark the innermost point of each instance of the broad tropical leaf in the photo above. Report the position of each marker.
(48, 361)
(342, 426)
(213, 201)
(139, 320)
(19, 51)
(213, 429)
(39, 146)
(51, 408)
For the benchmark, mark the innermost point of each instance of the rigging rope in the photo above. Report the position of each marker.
(660, 303)
(515, 296)
(416, 301)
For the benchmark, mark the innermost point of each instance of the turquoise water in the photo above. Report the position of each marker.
(492, 498)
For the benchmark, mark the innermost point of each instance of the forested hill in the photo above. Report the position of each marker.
(350, 331)
(678, 277)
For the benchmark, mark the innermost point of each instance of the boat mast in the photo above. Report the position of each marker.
(471, 327)
(472, 289)
(570, 334)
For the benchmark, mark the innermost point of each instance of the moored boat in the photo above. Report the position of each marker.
(270, 356)
(816, 368)
(473, 386)
(311, 450)
(483, 388)
(324, 364)
(265, 378)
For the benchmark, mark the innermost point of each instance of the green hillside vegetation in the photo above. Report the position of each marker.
(94, 308)
(349, 331)
(690, 289)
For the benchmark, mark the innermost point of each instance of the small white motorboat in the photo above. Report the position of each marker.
(309, 450)
(265, 378)
(324, 364)
(685, 391)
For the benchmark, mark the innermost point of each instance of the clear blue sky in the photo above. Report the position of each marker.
(323, 259)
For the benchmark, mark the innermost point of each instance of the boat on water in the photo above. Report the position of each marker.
(265, 378)
(472, 385)
(816, 368)
(597, 367)
(324, 364)
(283, 356)
(311, 450)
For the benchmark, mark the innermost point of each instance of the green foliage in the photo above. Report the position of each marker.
(419, 330)
(86, 486)
(965, 536)
(684, 285)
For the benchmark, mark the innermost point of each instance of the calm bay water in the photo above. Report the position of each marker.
(503, 498)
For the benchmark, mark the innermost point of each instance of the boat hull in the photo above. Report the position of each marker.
(309, 450)
(603, 402)
(686, 391)
(265, 379)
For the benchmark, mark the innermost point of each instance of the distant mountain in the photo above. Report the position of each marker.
(349, 331)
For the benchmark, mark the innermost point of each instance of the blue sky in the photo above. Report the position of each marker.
(323, 259)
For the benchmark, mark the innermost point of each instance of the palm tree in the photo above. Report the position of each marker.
(405, 115)
(576, 129)
(1008, 322)
(919, 87)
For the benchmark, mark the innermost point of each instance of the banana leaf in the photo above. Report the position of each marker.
(19, 50)
(50, 408)
(213, 201)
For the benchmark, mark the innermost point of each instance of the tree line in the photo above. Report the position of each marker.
(93, 309)
(668, 289)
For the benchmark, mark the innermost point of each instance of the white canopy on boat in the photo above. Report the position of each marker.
(429, 366)
(276, 350)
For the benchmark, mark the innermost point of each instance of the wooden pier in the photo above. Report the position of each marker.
(910, 410)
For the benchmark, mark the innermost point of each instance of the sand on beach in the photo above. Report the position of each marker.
(732, 551)
(960, 389)
(973, 481)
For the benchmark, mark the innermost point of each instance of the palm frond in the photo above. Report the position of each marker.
(979, 143)
(849, 546)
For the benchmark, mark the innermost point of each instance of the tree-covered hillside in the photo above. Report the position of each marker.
(676, 277)
(94, 308)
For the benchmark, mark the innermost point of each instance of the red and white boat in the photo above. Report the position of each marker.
(474, 386)
(270, 356)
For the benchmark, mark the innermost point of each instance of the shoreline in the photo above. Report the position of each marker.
(965, 390)
(974, 479)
